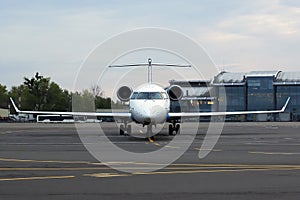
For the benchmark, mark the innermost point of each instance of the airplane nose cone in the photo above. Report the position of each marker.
(147, 120)
(153, 115)
(147, 117)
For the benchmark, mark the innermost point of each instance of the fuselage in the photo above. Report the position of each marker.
(149, 104)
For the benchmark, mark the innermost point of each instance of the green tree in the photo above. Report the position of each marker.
(103, 103)
(83, 102)
(57, 98)
(3, 96)
(100, 101)
(38, 87)
(39, 93)
(22, 97)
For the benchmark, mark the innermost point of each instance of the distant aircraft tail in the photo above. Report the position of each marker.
(14, 105)
(285, 105)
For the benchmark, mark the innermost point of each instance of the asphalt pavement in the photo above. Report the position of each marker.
(53, 161)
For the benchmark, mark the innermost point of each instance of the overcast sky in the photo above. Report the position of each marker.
(54, 37)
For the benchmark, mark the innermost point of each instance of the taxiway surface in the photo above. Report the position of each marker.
(249, 161)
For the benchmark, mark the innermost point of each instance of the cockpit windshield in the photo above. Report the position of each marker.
(149, 95)
(143, 95)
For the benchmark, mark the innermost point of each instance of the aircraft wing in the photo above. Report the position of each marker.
(203, 114)
(91, 114)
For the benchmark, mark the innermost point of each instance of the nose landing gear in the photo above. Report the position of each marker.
(149, 134)
(174, 129)
(125, 129)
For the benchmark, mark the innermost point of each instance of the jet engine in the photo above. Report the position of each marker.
(175, 92)
(124, 93)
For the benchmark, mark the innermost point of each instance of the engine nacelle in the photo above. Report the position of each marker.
(175, 92)
(124, 93)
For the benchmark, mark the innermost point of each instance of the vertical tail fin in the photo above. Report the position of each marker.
(14, 105)
(285, 105)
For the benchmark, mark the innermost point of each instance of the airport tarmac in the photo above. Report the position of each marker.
(249, 161)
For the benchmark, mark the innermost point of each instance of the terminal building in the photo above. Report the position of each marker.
(256, 90)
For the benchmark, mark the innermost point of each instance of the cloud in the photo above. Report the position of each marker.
(53, 37)
(261, 36)
(264, 24)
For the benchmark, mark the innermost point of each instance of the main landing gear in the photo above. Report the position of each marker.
(125, 129)
(174, 129)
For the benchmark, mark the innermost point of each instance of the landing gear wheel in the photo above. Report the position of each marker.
(177, 129)
(128, 129)
(171, 129)
(122, 132)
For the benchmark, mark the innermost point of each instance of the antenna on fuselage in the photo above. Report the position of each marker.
(149, 70)
(150, 65)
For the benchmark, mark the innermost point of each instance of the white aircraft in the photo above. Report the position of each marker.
(149, 105)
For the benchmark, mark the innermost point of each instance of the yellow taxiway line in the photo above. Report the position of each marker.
(44, 161)
(182, 167)
(138, 164)
(150, 140)
(105, 175)
(36, 178)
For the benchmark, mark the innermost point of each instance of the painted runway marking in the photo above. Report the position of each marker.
(157, 144)
(172, 147)
(44, 161)
(239, 169)
(139, 163)
(36, 178)
(52, 168)
(214, 150)
(274, 153)
(105, 172)
(150, 140)
(105, 175)
(270, 144)
(8, 132)
(197, 171)
(208, 167)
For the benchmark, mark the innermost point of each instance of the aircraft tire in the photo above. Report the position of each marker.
(129, 129)
(122, 132)
(177, 129)
(171, 129)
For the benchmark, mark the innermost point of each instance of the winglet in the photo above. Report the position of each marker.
(285, 105)
(14, 105)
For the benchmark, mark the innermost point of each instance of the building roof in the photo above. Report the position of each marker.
(229, 77)
(190, 83)
(288, 78)
(262, 73)
(239, 79)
